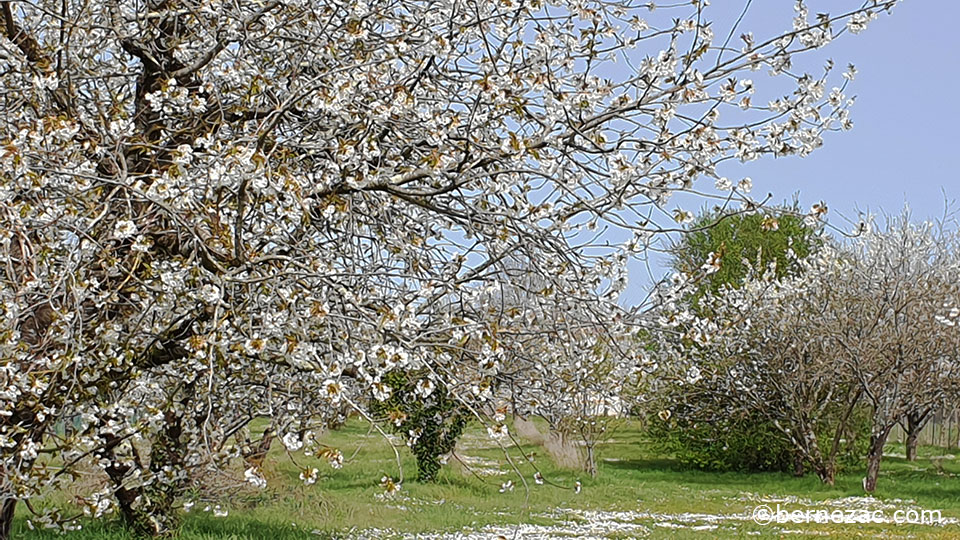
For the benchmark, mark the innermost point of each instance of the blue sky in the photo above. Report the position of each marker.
(906, 118)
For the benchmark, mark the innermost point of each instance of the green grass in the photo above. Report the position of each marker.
(632, 477)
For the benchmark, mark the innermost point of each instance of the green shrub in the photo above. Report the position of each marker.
(738, 443)
(747, 442)
(431, 425)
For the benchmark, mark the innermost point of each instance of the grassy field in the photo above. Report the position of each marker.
(636, 494)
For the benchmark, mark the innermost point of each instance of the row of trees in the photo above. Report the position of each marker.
(851, 335)
(220, 210)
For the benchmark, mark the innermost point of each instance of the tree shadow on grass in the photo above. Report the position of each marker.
(238, 527)
(645, 464)
(899, 479)
(197, 527)
(99, 529)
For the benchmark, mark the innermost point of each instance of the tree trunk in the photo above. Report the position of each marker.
(915, 423)
(826, 473)
(148, 510)
(256, 455)
(824, 466)
(912, 437)
(6, 517)
(875, 455)
(798, 464)
(591, 462)
(156, 515)
(956, 436)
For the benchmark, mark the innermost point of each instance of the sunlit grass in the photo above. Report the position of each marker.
(632, 477)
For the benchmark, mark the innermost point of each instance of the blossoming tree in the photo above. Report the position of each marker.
(191, 187)
(887, 331)
(857, 328)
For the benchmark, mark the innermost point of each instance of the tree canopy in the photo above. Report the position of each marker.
(725, 247)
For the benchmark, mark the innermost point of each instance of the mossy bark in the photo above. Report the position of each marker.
(149, 511)
(7, 509)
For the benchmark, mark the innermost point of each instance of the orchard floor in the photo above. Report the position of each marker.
(637, 494)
